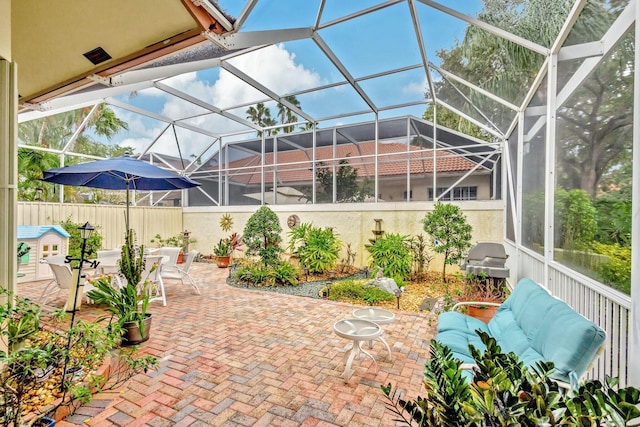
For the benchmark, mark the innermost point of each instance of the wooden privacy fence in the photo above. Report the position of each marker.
(109, 220)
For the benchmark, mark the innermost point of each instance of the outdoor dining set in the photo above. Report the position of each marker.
(160, 264)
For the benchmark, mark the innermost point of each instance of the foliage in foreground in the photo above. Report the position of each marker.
(31, 380)
(504, 392)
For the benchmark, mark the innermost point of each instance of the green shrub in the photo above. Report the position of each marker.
(617, 272)
(575, 219)
(255, 274)
(284, 273)
(317, 248)
(262, 236)
(357, 290)
(75, 241)
(392, 253)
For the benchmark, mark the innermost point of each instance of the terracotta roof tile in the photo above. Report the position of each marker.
(392, 161)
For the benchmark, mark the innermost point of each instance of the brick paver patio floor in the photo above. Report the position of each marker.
(236, 357)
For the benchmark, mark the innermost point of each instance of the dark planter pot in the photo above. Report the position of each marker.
(482, 312)
(223, 261)
(133, 335)
(44, 422)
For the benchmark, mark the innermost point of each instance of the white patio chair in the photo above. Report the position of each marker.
(109, 263)
(63, 279)
(182, 272)
(172, 253)
(156, 290)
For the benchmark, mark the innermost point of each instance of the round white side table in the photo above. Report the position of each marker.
(379, 316)
(356, 330)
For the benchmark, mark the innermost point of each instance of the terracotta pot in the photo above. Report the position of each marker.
(482, 312)
(180, 259)
(132, 333)
(223, 261)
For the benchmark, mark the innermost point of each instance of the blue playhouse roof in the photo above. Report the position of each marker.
(36, 231)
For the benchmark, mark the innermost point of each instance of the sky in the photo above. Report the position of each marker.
(369, 45)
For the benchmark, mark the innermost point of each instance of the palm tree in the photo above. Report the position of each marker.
(286, 115)
(261, 116)
(54, 132)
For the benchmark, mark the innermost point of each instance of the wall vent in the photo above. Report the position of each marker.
(97, 55)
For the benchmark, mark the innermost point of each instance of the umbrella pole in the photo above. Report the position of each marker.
(126, 220)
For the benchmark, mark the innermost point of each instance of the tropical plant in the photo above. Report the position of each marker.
(94, 242)
(451, 235)
(254, 273)
(262, 236)
(19, 319)
(317, 248)
(421, 258)
(284, 273)
(129, 303)
(392, 253)
(505, 392)
(125, 304)
(223, 248)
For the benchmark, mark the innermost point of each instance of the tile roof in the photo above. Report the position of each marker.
(295, 165)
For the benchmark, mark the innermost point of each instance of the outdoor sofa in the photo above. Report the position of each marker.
(535, 326)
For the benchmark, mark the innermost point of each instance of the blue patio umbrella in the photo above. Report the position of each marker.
(119, 173)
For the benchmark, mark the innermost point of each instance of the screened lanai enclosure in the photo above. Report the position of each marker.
(404, 102)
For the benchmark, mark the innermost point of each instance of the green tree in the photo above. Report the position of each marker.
(451, 120)
(286, 115)
(261, 115)
(262, 236)
(54, 132)
(447, 226)
(575, 219)
(348, 188)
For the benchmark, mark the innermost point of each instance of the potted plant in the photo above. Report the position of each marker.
(129, 304)
(181, 240)
(481, 296)
(222, 252)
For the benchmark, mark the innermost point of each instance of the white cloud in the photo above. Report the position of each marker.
(273, 66)
(415, 88)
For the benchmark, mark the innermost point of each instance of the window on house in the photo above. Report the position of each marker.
(457, 193)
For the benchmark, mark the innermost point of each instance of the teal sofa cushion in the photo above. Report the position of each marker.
(569, 340)
(535, 326)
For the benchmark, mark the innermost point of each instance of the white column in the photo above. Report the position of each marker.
(634, 336)
(8, 173)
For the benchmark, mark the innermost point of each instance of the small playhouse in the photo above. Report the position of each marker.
(44, 241)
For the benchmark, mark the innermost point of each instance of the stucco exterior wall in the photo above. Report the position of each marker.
(353, 222)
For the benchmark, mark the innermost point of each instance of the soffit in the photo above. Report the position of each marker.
(50, 37)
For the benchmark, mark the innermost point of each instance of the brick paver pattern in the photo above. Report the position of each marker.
(236, 357)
